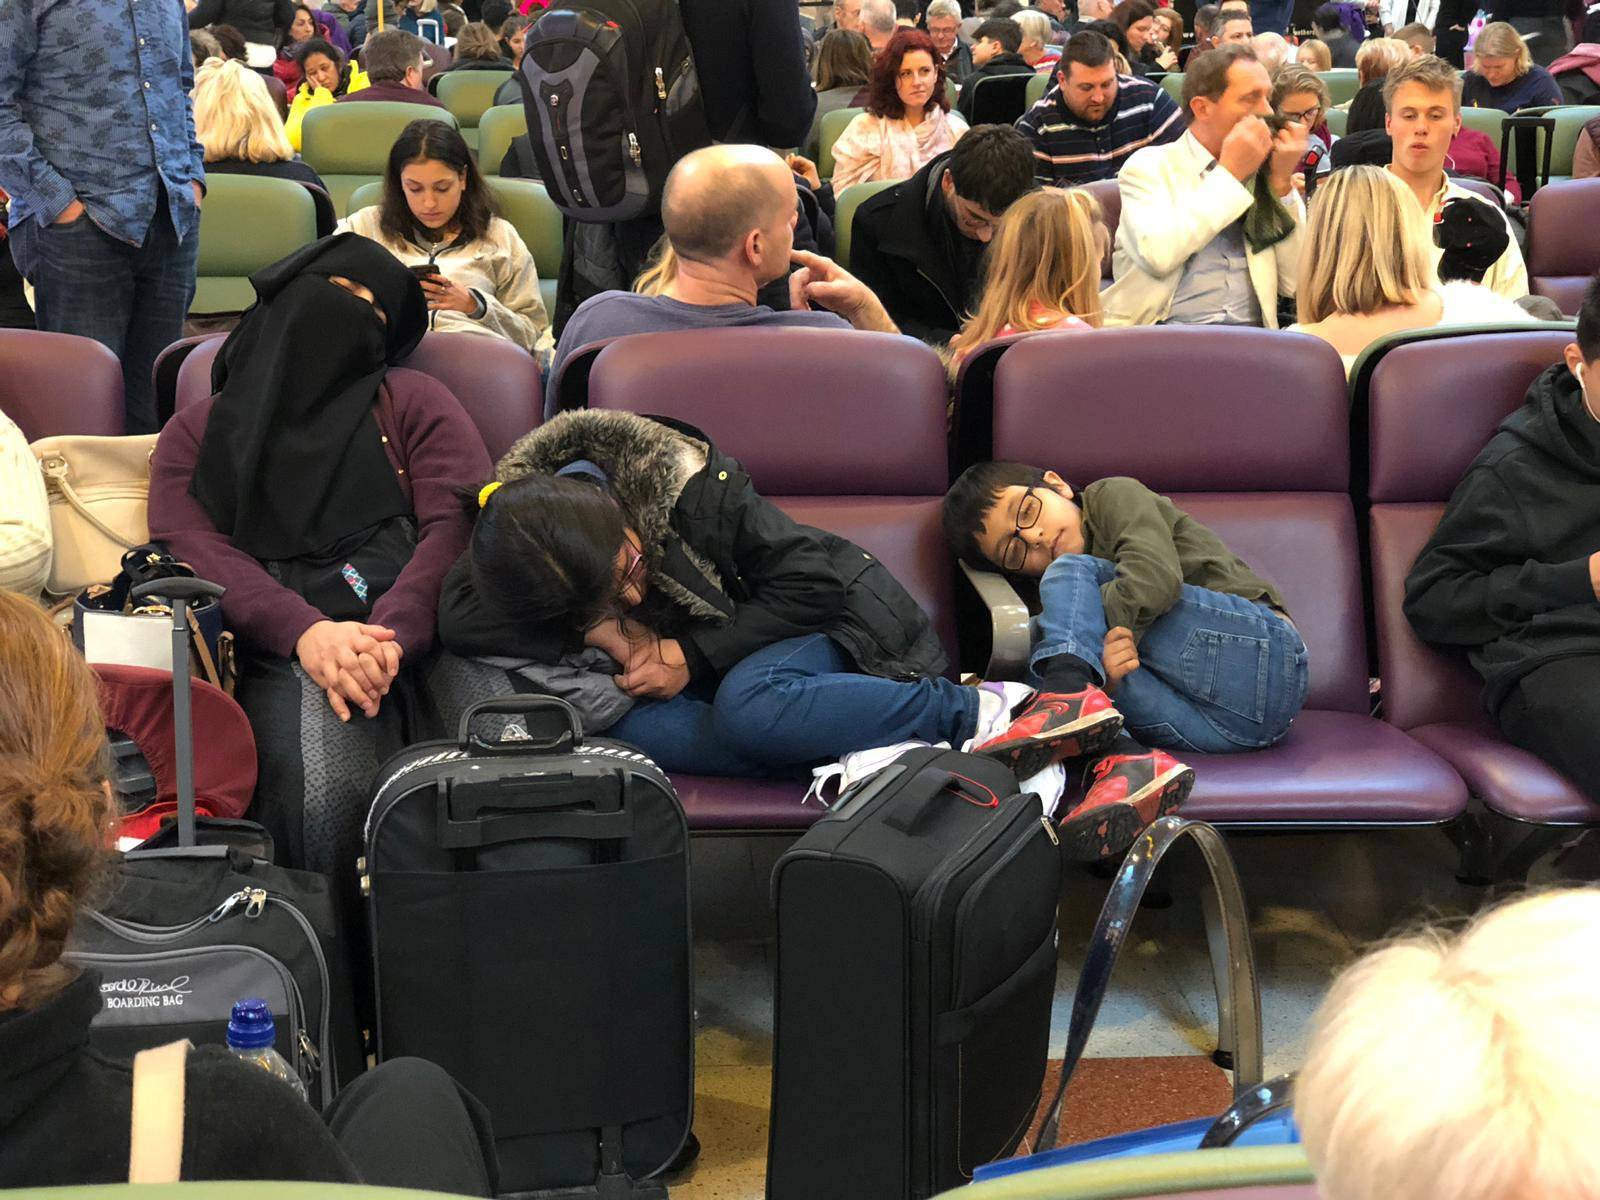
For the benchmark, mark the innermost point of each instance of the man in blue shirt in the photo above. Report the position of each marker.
(730, 215)
(98, 154)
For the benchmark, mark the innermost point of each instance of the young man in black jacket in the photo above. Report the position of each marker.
(1512, 573)
(919, 244)
(995, 47)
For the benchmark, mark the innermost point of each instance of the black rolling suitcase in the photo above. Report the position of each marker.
(916, 966)
(197, 921)
(529, 910)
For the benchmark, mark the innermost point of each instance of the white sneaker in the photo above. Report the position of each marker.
(856, 766)
(996, 703)
(1048, 785)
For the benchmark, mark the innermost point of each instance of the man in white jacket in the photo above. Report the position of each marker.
(1181, 254)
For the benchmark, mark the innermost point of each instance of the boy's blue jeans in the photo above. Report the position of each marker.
(1217, 673)
(790, 706)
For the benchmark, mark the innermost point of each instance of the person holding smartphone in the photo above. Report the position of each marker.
(437, 217)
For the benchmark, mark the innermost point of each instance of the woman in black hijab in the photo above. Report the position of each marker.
(319, 486)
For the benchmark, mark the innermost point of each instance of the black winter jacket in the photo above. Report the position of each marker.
(738, 574)
(65, 1110)
(905, 247)
(1506, 573)
(259, 20)
(751, 60)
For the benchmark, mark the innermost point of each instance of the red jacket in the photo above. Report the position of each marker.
(1474, 153)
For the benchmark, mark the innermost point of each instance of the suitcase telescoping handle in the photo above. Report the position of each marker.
(178, 593)
(1233, 960)
(569, 737)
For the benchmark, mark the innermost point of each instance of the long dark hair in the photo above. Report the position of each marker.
(883, 100)
(434, 141)
(544, 549)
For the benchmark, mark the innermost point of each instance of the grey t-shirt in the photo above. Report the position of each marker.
(612, 314)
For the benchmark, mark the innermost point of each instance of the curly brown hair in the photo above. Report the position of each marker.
(882, 98)
(56, 816)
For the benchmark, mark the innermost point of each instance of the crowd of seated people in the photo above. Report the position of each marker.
(383, 573)
(237, 124)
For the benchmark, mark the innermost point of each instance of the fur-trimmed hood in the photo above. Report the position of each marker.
(648, 463)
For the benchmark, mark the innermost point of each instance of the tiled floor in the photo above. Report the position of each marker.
(1315, 900)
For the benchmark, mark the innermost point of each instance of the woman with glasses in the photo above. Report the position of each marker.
(735, 642)
(1299, 96)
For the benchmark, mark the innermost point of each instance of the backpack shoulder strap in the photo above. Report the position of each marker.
(155, 1149)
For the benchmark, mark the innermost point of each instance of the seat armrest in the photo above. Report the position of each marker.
(1008, 623)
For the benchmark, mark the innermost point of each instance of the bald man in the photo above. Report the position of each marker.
(730, 214)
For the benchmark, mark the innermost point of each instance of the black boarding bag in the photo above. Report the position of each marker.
(916, 968)
(198, 918)
(528, 900)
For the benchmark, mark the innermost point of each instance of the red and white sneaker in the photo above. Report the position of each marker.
(1128, 793)
(1050, 727)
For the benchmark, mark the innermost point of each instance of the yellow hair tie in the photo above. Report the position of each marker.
(486, 491)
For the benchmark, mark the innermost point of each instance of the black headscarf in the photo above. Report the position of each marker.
(291, 461)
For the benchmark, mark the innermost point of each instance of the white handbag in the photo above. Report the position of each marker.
(99, 493)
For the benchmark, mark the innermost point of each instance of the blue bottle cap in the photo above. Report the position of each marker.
(251, 1026)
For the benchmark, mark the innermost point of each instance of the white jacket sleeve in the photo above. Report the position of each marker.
(1166, 220)
(24, 515)
(1509, 274)
(516, 310)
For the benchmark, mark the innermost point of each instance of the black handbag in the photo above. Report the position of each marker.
(345, 580)
(110, 626)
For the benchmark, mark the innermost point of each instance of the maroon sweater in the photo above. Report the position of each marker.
(434, 448)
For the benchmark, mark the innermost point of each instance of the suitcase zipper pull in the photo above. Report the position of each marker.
(1050, 831)
(633, 150)
(661, 84)
(258, 901)
(228, 905)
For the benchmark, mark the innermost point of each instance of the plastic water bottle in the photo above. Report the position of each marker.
(251, 1032)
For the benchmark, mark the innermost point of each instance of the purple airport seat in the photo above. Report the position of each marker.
(164, 374)
(497, 381)
(571, 388)
(1425, 429)
(59, 383)
(844, 431)
(972, 422)
(1563, 253)
(1247, 430)
(1109, 193)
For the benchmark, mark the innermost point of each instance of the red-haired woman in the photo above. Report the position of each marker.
(908, 119)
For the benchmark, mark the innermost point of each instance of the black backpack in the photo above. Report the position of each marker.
(613, 102)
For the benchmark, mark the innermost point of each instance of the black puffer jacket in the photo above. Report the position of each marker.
(259, 20)
(1506, 574)
(737, 572)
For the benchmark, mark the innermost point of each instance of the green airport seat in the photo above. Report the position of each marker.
(246, 223)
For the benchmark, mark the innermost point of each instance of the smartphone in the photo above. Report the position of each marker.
(425, 271)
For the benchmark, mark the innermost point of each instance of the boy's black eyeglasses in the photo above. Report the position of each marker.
(1015, 552)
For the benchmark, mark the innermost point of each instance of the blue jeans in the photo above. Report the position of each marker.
(132, 299)
(790, 706)
(1217, 673)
